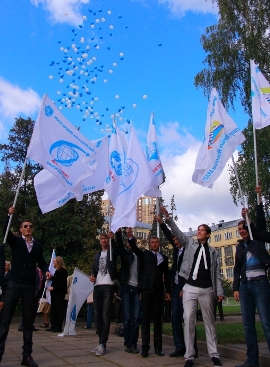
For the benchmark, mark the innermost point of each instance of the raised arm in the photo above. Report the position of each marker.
(165, 229)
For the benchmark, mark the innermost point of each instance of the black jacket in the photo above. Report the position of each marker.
(24, 263)
(2, 264)
(59, 282)
(152, 275)
(127, 258)
(176, 264)
(111, 265)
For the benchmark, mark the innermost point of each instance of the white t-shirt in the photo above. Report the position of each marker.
(103, 276)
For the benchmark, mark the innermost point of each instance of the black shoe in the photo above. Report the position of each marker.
(49, 329)
(144, 353)
(189, 363)
(216, 362)
(28, 361)
(128, 349)
(20, 328)
(178, 352)
(196, 355)
(34, 328)
(134, 350)
(159, 352)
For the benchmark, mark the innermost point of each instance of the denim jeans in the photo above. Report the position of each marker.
(255, 294)
(89, 315)
(131, 310)
(177, 317)
(103, 297)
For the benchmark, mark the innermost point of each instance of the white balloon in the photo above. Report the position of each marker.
(111, 26)
(117, 97)
(60, 107)
(103, 19)
(75, 49)
(96, 98)
(105, 81)
(98, 47)
(109, 12)
(82, 40)
(134, 105)
(94, 58)
(144, 96)
(61, 80)
(92, 26)
(121, 54)
(97, 20)
(110, 71)
(114, 64)
(65, 50)
(51, 77)
(78, 107)
(84, 17)
(58, 92)
(81, 72)
(87, 47)
(63, 99)
(62, 48)
(73, 45)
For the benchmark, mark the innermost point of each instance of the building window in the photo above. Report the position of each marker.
(228, 235)
(217, 237)
(229, 261)
(237, 234)
(229, 272)
(228, 251)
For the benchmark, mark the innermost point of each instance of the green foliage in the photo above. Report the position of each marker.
(242, 33)
(71, 230)
(227, 285)
(246, 169)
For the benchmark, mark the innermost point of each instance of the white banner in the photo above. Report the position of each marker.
(260, 93)
(51, 194)
(221, 138)
(81, 288)
(60, 148)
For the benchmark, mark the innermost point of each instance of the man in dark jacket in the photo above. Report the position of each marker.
(128, 277)
(151, 285)
(250, 284)
(26, 254)
(103, 274)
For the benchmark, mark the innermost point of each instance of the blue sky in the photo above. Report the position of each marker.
(155, 52)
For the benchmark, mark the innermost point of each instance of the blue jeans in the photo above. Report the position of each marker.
(131, 310)
(177, 317)
(103, 298)
(255, 294)
(89, 315)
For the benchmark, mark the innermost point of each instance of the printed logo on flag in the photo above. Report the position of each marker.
(75, 280)
(65, 152)
(48, 111)
(152, 154)
(216, 130)
(73, 314)
(128, 171)
(266, 93)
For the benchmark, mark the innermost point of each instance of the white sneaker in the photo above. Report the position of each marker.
(95, 349)
(101, 350)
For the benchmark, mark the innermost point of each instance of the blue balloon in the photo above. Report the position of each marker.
(110, 34)
(80, 26)
(51, 63)
(121, 58)
(126, 26)
(90, 10)
(107, 109)
(128, 121)
(108, 48)
(160, 44)
(119, 16)
(59, 41)
(100, 10)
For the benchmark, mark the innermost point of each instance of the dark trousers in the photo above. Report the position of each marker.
(103, 298)
(177, 316)
(14, 292)
(131, 309)
(152, 299)
(218, 305)
(57, 311)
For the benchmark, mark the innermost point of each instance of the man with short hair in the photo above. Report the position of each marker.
(151, 285)
(103, 274)
(251, 286)
(201, 270)
(26, 254)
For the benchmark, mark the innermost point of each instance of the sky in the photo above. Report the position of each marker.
(135, 57)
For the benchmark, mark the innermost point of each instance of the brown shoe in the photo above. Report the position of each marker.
(28, 361)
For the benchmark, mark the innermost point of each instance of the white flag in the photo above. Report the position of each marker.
(136, 178)
(221, 138)
(81, 288)
(51, 194)
(60, 148)
(260, 93)
(152, 152)
(51, 267)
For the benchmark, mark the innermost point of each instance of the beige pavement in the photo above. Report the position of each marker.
(52, 350)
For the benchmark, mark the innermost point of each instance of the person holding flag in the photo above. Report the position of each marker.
(26, 254)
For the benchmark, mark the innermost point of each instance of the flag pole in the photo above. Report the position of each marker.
(15, 200)
(110, 217)
(256, 162)
(242, 198)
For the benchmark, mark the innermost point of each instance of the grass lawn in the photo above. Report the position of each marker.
(231, 333)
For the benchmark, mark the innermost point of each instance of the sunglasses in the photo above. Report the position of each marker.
(27, 226)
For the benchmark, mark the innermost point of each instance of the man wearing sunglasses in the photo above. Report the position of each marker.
(26, 254)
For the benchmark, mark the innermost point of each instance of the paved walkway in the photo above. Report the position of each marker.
(52, 350)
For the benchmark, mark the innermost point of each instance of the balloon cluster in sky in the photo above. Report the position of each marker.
(83, 66)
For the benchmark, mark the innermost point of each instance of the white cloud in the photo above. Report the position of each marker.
(63, 11)
(15, 101)
(180, 7)
(195, 204)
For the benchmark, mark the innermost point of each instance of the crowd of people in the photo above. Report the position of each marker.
(145, 282)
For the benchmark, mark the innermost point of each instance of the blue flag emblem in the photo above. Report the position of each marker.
(73, 314)
(66, 153)
(48, 111)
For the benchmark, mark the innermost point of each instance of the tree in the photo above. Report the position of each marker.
(72, 229)
(242, 33)
(246, 171)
